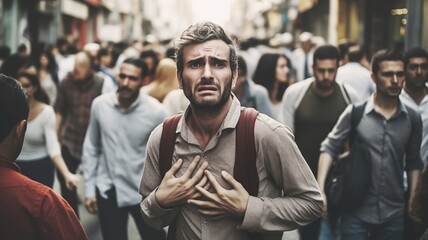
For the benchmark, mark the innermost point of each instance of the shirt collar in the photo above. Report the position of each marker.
(230, 121)
(370, 107)
(8, 164)
(135, 104)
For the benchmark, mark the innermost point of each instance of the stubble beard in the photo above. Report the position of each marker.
(211, 104)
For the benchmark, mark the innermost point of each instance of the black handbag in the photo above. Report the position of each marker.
(348, 180)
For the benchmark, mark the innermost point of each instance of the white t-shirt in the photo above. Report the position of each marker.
(40, 138)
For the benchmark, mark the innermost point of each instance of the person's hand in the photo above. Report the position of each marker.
(91, 205)
(325, 207)
(71, 180)
(222, 201)
(173, 191)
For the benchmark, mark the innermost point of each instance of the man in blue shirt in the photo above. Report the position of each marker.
(114, 152)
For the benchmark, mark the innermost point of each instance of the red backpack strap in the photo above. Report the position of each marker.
(167, 143)
(245, 169)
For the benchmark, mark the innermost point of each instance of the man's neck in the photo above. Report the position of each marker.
(126, 103)
(204, 123)
(384, 105)
(320, 91)
(416, 93)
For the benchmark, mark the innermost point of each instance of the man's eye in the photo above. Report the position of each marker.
(195, 65)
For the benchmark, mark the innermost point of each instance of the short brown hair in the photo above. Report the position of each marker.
(200, 33)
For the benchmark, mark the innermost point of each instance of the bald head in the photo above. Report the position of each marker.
(82, 66)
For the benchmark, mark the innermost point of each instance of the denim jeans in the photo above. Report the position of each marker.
(326, 233)
(114, 219)
(352, 228)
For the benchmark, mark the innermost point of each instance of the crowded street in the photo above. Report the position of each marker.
(225, 119)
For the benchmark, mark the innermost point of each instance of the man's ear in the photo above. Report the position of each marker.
(20, 128)
(234, 78)
(373, 76)
(180, 80)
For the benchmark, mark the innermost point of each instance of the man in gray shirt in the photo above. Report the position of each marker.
(199, 195)
(113, 152)
(393, 140)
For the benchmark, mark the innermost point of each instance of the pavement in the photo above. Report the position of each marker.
(92, 227)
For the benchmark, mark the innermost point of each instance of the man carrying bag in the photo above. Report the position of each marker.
(391, 132)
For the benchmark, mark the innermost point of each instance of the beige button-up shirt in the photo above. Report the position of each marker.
(288, 196)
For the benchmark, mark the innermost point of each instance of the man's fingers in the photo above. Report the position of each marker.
(192, 167)
(203, 180)
(212, 196)
(171, 172)
(203, 204)
(229, 178)
(213, 181)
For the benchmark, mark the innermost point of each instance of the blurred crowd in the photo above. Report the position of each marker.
(275, 77)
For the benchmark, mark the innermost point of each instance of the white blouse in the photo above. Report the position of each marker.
(40, 138)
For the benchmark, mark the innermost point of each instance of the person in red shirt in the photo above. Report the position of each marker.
(28, 209)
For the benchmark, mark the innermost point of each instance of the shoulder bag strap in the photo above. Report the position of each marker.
(245, 169)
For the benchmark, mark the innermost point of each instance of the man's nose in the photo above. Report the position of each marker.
(207, 71)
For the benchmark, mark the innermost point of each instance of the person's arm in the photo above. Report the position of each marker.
(60, 109)
(414, 177)
(286, 113)
(90, 157)
(263, 102)
(301, 202)
(58, 220)
(59, 125)
(71, 180)
(324, 165)
(414, 162)
(54, 150)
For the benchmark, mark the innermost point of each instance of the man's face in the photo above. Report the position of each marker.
(417, 72)
(130, 81)
(207, 79)
(325, 73)
(390, 78)
(82, 70)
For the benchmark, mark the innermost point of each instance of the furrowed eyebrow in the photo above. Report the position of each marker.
(196, 60)
(218, 60)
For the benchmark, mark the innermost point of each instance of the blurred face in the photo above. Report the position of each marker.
(390, 78)
(417, 72)
(106, 60)
(44, 61)
(242, 77)
(130, 82)
(150, 63)
(325, 73)
(82, 70)
(207, 78)
(26, 84)
(282, 70)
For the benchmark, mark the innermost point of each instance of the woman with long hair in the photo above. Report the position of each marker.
(273, 72)
(165, 80)
(47, 71)
(41, 146)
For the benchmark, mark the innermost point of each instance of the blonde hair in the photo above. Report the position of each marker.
(165, 79)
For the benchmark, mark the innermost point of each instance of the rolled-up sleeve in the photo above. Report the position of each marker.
(336, 139)
(413, 157)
